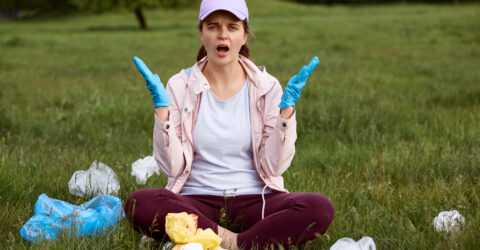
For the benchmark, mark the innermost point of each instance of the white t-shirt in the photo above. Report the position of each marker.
(222, 141)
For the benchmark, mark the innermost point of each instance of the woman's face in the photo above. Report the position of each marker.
(223, 35)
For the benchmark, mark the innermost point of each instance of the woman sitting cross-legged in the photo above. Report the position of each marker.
(224, 134)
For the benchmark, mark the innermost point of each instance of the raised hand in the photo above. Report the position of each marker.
(297, 82)
(157, 90)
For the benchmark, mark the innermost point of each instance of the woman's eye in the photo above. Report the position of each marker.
(211, 27)
(233, 28)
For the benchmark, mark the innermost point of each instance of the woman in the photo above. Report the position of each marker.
(224, 133)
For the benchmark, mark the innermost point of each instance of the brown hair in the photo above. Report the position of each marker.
(244, 51)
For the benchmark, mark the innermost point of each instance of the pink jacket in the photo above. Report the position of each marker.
(273, 138)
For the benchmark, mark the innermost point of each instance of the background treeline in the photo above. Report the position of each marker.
(92, 5)
(11, 8)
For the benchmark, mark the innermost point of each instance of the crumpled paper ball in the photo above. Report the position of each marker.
(365, 243)
(98, 179)
(449, 221)
(182, 230)
(144, 168)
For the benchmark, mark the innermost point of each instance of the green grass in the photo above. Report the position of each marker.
(388, 124)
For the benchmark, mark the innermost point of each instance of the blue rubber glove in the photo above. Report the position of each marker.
(297, 82)
(157, 90)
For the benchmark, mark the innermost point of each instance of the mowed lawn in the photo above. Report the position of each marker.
(388, 124)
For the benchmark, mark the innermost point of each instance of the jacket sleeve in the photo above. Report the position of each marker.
(167, 146)
(277, 146)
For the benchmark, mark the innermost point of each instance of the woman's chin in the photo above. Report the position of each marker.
(222, 60)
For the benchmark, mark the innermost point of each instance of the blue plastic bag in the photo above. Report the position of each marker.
(53, 217)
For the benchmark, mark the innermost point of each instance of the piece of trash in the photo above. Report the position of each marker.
(182, 229)
(53, 217)
(145, 239)
(168, 246)
(449, 221)
(365, 243)
(98, 179)
(144, 168)
(192, 246)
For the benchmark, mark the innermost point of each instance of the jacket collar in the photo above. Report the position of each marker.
(256, 75)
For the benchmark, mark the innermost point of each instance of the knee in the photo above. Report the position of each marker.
(142, 198)
(130, 204)
(325, 212)
(321, 210)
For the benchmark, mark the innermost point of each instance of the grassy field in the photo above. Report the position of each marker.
(388, 124)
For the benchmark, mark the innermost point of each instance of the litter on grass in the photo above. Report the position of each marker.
(98, 179)
(144, 168)
(449, 221)
(365, 243)
(53, 217)
(181, 228)
(145, 239)
(192, 246)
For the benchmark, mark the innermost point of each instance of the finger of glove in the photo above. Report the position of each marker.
(142, 67)
(307, 70)
(312, 65)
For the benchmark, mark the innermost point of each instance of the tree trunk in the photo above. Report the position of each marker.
(140, 18)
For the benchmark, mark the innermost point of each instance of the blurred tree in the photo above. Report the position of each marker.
(135, 5)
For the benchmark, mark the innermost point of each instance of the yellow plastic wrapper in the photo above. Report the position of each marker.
(182, 229)
(207, 238)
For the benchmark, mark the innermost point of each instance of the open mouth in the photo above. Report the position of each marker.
(222, 48)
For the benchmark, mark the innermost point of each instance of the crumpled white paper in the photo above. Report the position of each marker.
(449, 221)
(145, 239)
(365, 243)
(192, 246)
(144, 168)
(98, 179)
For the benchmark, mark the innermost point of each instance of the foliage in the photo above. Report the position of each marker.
(92, 5)
(35, 4)
(104, 5)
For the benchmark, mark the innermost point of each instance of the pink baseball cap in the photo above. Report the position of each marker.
(236, 7)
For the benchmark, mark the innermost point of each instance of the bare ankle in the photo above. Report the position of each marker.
(229, 238)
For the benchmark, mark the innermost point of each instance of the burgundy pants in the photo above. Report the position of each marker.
(290, 218)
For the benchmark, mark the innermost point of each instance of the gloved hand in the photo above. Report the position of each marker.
(157, 90)
(297, 82)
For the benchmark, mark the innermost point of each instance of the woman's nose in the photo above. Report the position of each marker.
(223, 33)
